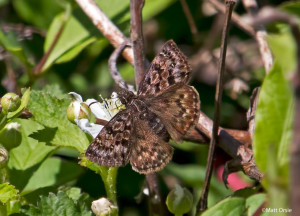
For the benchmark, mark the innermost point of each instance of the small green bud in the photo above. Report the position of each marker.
(78, 110)
(179, 200)
(10, 102)
(10, 135)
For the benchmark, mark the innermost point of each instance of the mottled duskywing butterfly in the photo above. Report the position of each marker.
(165, 107)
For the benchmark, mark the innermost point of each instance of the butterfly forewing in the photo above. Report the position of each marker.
(179, 109)
(111, 147)
(169, 67)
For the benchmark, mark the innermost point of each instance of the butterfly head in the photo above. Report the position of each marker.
(126, 96)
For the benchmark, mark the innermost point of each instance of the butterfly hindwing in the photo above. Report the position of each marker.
(169, 67)
(150, 148)
(179, 109)
(111, 146)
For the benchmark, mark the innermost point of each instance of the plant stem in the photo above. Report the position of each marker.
(109, 177)
(202, 205)
(110, 183)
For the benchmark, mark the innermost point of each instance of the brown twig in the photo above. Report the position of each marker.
(270, 15)
(38, 68)
(22, 30)
(112, 64)
(136, 36)
(155, 207)
(260, 36)
(235, 18)
(190, 19)
(218, 99)
(252, 110)
(105, 26)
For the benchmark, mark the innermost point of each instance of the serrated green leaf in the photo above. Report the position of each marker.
(254, 202)
(13, 206)
(8, 192)
(227, 207)
(274, 118)
(24, 102)
(52, 171)
(50, 111)
(30, 152)
(74, 193)
(59, 204)
(54, 90)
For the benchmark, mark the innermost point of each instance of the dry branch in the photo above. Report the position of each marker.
(105, 26)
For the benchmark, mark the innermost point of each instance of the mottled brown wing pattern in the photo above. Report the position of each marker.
(149, 138)
(165, 107)
(169, 67)
(179, 109)
(111, 147)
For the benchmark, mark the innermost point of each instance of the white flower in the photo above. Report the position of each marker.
(104, 110)
(102, 207)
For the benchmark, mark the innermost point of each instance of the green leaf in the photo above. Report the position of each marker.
(11, 44)
(24, 102)
(154, 7)
(283, 47)
(39, 13)
(30, 152)
(74, 51)
(13, 206)
(254, 202)
(78, 32)
(53, 171)
(3, 2)
(8, 192)
(227, 207)
(50, 111)
(274, 118)
(60, 204)
(291, 7)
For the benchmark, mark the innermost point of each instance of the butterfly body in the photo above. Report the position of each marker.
(165, 107)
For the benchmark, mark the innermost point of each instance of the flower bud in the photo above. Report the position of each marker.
(10, 135)
(78, 110)
(179, 200)
(103, 207)
(10, 102)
